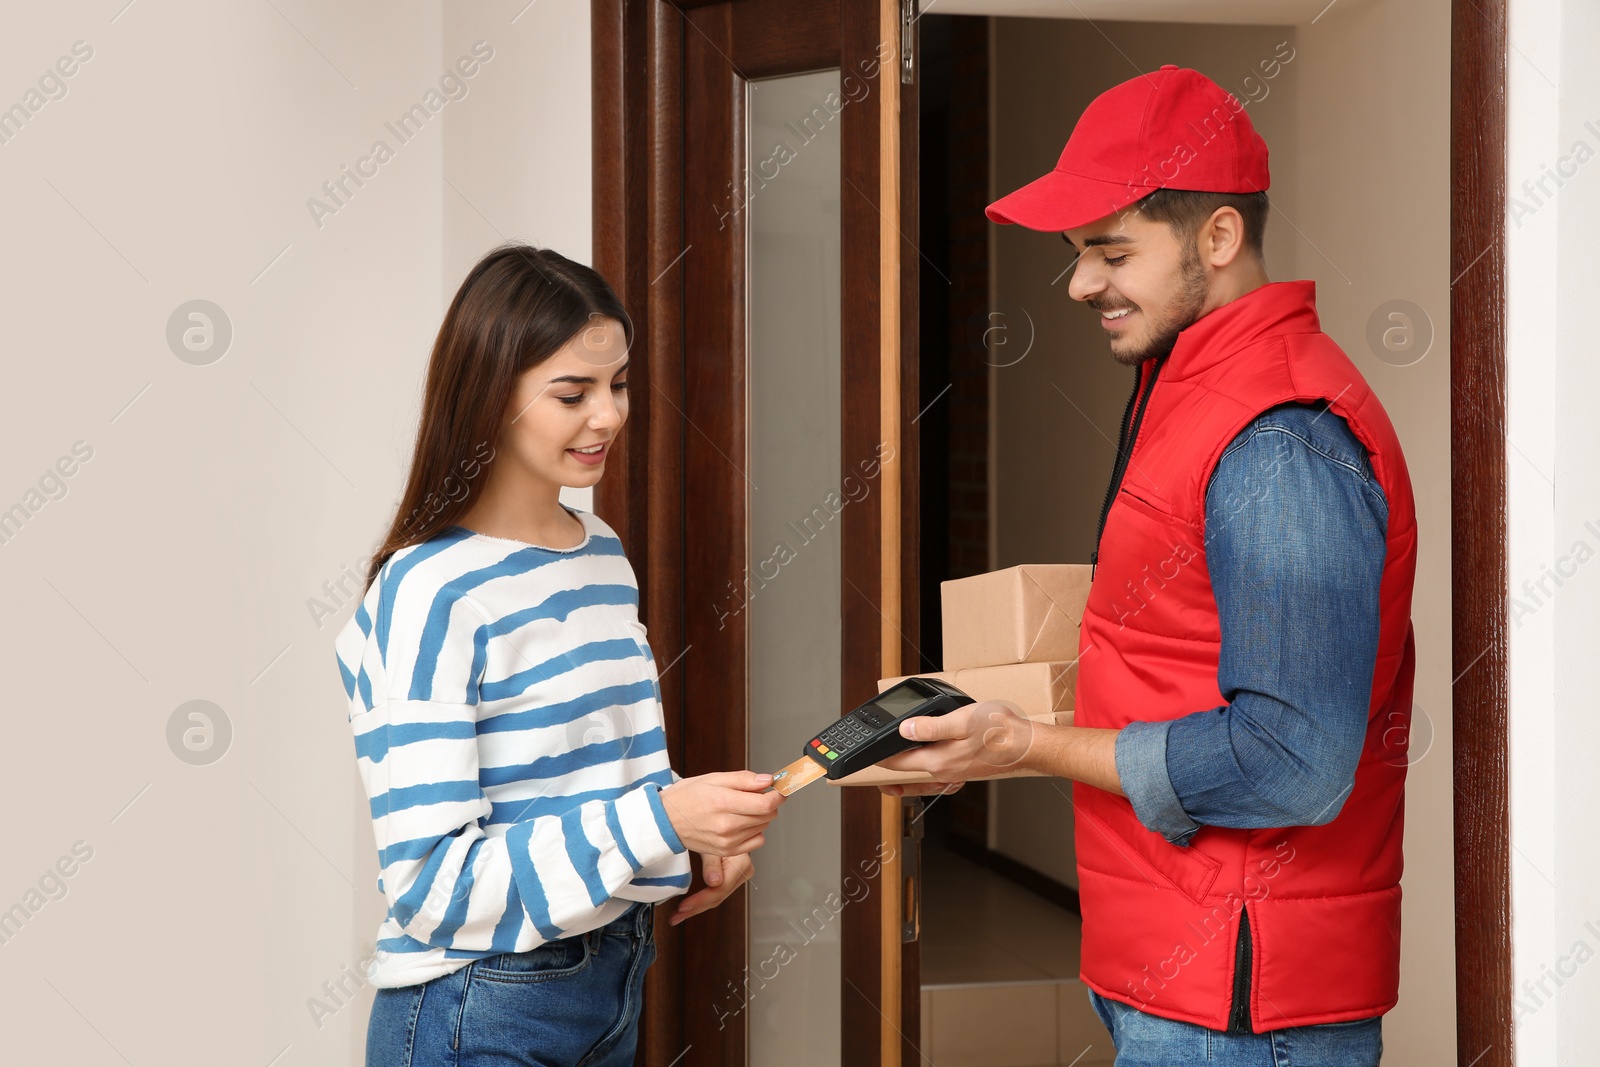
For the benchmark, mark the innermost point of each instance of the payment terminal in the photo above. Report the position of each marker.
(869, 733)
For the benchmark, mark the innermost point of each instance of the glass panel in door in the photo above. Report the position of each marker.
(792, 589)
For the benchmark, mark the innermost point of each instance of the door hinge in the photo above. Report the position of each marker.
(911, 809)
(908, 36)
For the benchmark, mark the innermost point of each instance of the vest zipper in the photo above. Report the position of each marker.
(1132, 416)
(1239, 1016)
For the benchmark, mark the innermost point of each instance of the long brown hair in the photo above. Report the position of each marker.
(516, 308)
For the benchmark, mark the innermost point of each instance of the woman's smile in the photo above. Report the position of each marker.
(591, 454)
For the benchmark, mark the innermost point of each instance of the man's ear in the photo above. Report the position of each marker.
(1222, 237)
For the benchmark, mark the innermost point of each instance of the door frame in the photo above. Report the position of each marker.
(1479, 582)
(653, 62)
(637, 99)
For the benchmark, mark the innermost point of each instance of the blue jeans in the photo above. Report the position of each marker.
(568, 1003)
(1145, 1040)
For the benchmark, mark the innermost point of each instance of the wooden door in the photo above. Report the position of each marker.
(675, 181)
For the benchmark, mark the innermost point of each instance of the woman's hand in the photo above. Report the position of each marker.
(722, 877)
(722, 814)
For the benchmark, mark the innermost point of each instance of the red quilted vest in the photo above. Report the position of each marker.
(1161, 922)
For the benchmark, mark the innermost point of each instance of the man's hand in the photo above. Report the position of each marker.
(990, 738)
(971, 742)
(722, 876)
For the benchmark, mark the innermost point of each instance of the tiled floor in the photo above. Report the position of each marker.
(999, 974)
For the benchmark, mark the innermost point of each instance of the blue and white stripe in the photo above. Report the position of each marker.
(508, 731)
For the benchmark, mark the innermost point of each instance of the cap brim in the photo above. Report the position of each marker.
(1061, 201)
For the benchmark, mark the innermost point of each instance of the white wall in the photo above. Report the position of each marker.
(219, 498)
(1554, 486)
(518, 164)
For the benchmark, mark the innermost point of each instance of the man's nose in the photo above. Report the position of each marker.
(1086, 280)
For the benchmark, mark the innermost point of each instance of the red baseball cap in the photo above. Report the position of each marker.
(1173, 128)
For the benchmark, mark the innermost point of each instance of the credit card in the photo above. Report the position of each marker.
(799, 774)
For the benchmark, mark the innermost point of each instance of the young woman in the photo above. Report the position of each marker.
(505, 704)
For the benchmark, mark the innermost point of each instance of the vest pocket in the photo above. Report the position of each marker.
(1147, 855)
(1147, 508)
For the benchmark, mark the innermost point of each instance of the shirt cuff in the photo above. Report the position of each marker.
(1141, 754)
(647, 831)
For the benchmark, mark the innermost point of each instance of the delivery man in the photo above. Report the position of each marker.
(1245, 660)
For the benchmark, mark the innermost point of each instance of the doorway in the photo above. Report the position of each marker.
(1011, 360)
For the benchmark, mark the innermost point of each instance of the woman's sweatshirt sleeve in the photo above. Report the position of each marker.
(448, 883)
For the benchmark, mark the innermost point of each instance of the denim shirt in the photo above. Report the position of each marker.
(1295, 542)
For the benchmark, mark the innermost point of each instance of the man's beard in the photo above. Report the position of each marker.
(1185, 310)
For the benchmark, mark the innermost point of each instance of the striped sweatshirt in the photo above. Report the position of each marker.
(508, 731)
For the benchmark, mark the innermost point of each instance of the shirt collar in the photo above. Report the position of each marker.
(1272, 309)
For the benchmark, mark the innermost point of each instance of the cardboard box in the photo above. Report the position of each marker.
(1040, 691)
(1026, 614)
